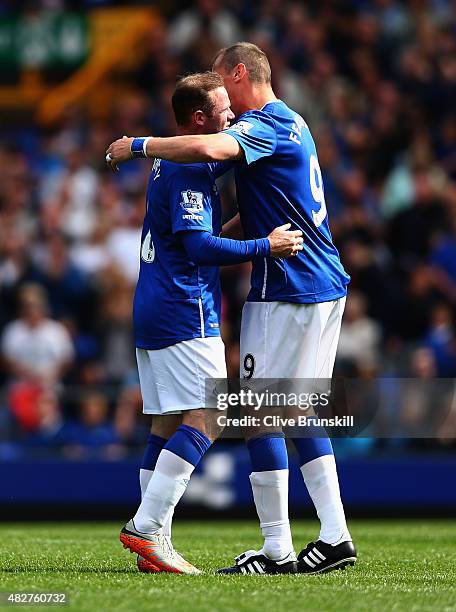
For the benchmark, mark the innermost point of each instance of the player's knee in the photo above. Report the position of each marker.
(205, 421)
(165, 425)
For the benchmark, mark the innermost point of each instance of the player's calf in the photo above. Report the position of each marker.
(174, 466)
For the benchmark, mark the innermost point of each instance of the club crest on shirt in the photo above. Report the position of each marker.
(241, 126)
(192, 201)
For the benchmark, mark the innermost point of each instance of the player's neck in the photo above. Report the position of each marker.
(258, 97)
(187, 131)
(194, 130)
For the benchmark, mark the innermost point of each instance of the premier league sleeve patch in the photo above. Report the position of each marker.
(243, 127)
(192, 201)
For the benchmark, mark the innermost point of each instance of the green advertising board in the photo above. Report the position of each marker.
(43, 40)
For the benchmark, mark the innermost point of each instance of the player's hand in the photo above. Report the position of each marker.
(285, 243)
(118, 152)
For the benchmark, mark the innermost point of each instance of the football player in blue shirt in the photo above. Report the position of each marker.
(176, 317)
(291, 321)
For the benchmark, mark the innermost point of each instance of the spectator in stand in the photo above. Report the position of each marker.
(124, 240)
(16, 268)
(71, 295)
(443, 254)
(73, 194)
(117, 337)
(92, 434)
(130, 424)
(207, 19)
(49, 430)
(359, 341)
(36, 348)
(441, 339)
(375, 81)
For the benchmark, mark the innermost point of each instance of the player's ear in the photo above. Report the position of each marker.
(239, 72)
(199, 117)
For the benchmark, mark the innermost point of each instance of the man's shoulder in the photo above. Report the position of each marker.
(279, 112)
(14, 328)
(52, 327)
(272, 109)
(173, 172)
(261, 122)
(173, 168)
(249, 119)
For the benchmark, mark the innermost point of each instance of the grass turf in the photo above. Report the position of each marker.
(403, 565)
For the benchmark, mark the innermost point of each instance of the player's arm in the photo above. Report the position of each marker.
(179, 149)
(205, 249)
(190, 194)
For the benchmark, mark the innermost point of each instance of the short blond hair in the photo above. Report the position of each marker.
(254, 59)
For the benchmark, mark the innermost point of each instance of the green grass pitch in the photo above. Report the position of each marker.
(403, 565)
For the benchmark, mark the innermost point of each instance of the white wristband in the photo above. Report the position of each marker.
(146, 140)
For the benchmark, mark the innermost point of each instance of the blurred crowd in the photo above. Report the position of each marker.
(375, 81)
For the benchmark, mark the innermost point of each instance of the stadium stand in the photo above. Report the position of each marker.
(375, 80)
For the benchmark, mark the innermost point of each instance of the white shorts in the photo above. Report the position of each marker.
(173, 379)
(285, 340)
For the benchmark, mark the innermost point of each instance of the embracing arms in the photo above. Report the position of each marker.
(179, 149)
(206, 249)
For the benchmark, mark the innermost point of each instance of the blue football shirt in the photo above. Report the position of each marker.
(280, 182)
(176, 300)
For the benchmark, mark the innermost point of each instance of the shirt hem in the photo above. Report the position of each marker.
(299, 298)
(177, 409)
(155, 345)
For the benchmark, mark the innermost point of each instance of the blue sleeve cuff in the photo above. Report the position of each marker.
(264, 247)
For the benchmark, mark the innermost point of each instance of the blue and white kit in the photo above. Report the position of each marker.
(176, 310)
(280, 181)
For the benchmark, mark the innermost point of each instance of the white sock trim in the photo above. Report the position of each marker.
(269, 478)
(173, 466)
